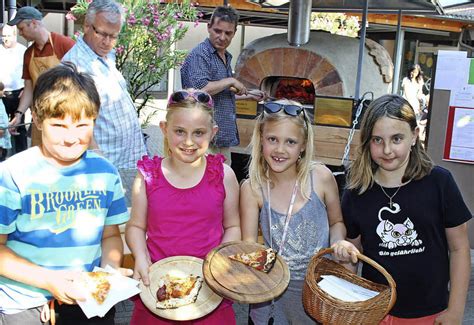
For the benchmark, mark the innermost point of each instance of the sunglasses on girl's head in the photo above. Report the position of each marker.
(199, 96)
(289, 109)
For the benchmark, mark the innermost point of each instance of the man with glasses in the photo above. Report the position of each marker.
(117, 132)
(46, 52)
(11, 69)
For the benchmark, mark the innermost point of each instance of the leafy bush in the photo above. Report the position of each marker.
(145, 50)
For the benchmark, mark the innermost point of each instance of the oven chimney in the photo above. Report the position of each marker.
(299, 22)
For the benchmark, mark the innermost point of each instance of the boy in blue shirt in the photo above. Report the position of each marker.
(60, 206)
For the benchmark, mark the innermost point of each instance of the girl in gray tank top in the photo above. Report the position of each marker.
(308, 232)
(281, 160)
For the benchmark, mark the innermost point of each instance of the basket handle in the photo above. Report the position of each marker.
(377, 266)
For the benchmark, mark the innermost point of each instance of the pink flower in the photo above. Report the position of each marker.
(132, 20)
(145, 21)
(70, 16)
(119, 50)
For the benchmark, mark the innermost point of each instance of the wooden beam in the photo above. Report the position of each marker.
(416, 22)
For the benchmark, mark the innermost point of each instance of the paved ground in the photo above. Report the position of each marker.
(155, 145)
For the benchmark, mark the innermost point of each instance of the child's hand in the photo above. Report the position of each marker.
(125, 272)
(345, 251)
(448, 318)
(12, 125)
(141, 270)
(60, 284)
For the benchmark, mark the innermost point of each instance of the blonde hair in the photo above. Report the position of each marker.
(258, 167)
(62, 91)
(362, 170)
(188, 103)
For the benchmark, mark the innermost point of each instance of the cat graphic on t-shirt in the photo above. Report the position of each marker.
(396, 234)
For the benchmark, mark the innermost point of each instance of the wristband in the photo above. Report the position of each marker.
(19, 112)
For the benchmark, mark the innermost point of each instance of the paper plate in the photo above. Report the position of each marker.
(239, 282)
(206, 301)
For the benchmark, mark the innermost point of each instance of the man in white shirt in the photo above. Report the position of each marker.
(11, 69)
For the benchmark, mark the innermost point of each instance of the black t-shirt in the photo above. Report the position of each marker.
(409, 240)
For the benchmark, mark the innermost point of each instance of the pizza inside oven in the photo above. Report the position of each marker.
(174, 292)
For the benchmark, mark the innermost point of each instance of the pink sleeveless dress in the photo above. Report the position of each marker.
(183, 222)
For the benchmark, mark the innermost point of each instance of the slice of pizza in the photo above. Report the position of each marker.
(174, 292)
(97, 284)
(262, 260)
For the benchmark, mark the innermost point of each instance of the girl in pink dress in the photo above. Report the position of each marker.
(185, 203)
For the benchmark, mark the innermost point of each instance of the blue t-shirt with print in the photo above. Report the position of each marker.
(55, 217)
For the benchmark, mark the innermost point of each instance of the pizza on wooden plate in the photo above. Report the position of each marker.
(174, 292)
(97, 284)
(262, 260)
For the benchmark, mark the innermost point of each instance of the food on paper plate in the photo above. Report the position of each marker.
(174, 292)
(97, 284)
(262, 260)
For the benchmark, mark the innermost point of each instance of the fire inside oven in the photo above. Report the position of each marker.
(298, 89)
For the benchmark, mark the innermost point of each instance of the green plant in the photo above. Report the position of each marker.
(78, 10)
(335, 23)
(145, 50)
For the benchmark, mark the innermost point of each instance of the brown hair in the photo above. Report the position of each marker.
(226, 14)
(62, 91)
(363, 168)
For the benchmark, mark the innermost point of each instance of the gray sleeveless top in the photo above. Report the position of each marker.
(308, 232)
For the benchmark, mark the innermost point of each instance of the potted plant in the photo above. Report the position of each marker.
(145, 50)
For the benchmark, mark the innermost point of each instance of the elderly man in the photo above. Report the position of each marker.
(208, 67)
(45, 52)
(117, 132)
(11, 69)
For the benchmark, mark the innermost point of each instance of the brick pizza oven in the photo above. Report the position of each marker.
(326, 66)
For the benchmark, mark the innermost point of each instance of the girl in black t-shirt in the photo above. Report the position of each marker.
(409, 216)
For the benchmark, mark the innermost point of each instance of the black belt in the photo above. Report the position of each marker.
(12, 93)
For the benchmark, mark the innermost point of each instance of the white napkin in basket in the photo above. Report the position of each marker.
(121, 288)
(345, 290)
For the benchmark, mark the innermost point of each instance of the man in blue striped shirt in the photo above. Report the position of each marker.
(208, 67)
(60, 206)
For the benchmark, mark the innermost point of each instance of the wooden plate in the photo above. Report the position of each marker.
(238, 282)
(206, 301)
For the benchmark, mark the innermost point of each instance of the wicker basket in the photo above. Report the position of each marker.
(331, 311)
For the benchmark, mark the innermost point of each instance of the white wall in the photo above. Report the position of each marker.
(54, 22)
(196, 35)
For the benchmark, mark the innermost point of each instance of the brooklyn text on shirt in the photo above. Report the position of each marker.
(62, 208)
